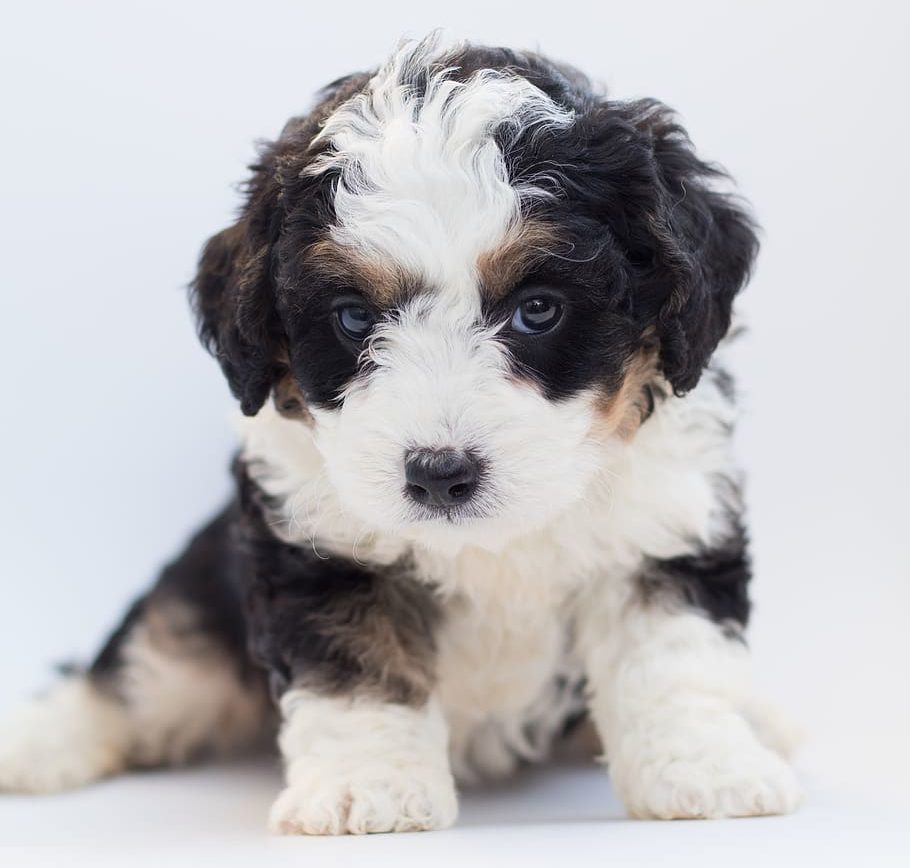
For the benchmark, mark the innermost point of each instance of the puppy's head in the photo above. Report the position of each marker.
(463, 273)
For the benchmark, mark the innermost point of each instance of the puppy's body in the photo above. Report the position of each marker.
(492, 491)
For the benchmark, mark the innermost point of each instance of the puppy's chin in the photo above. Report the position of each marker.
(449, 535)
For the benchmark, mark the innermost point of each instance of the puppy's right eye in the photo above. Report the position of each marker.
(355, 321)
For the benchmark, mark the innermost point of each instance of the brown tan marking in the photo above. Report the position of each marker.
(181, 692)
(501, 269)
(289, 400)
(381, 282)
(382, 642)
(622, 412)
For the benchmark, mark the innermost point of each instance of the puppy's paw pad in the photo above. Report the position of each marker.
(746, 783)
(396, 801)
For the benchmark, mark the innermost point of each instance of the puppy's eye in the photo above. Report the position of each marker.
(355, 321)
(536, 315)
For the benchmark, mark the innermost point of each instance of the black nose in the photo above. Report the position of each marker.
(440, 477)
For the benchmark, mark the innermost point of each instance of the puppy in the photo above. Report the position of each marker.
(485, 488)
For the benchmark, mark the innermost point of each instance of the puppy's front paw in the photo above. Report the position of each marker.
(746, 780)
(384, 799)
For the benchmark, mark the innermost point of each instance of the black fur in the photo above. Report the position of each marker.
(207, 583)
(284, 612)
(329, 623)
(650, 252)
(714, 580)
(249, 295)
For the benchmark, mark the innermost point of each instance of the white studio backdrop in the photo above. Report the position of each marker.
(125, 128)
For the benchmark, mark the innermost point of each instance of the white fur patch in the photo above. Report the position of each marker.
(593, 507)
(356, 766)
(422, 179)
(506, 673)
(68, 737)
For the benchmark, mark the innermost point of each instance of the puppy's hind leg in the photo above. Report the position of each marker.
(171, 682)
(69, 736)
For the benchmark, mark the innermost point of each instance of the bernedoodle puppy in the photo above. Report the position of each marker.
(485, 491)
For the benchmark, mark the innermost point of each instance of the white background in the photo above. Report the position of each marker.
(124, 127)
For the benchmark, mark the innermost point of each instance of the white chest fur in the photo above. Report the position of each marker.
(507, 681)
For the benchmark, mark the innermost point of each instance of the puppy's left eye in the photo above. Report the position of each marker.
(355, 321)
(537, 315)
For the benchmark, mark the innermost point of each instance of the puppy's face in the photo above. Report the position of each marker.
(444, 429)
(464, 273)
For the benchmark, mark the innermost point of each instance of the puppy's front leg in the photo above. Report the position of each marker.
(357, 765)
(364, 743)
(670, 697)
(351, 655)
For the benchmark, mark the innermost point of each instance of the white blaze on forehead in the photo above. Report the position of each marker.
(422, 180)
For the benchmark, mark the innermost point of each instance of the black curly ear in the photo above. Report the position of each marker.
(690, 246)
(234, 300)
(709, 243)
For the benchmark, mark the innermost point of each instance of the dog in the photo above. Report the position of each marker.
(485, 495)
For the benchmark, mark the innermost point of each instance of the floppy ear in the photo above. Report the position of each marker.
(711, 243)
(690, 246)
(234, 299)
